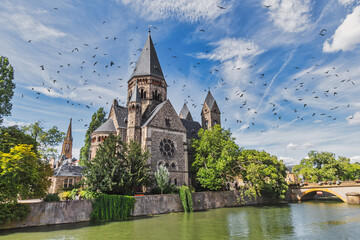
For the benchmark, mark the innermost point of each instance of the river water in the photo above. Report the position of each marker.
(307, 220)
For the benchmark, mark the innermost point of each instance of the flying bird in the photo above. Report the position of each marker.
(323, 32)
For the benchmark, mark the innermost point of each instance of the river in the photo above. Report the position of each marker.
(307, 220)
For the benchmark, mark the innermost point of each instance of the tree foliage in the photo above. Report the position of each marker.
(262, 173)
(162, 177)
(323, 166)
(97, 119)
(47, 139)
(219, 161)
(216, 157)
(118, 168)
(12, 136)
(6, 87)
(23, 174)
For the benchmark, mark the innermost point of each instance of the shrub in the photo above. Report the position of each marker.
(64, 195)
(73, 193)
(13, 212)
(168, 190)
(186, 199)
(52, 197)
(84, 194)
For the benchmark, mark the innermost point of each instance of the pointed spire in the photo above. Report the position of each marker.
(148, 63)
(69, 133)
(185, 113)
(135, 97)
(209, 100)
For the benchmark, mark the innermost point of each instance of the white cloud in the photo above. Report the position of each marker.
(8, 123)
(232, 49)
(184, 10)
(289, 161)
(354, 159)
(293, 146)
(347, 35)
(290, 15)
(345, 2)
(354, 119)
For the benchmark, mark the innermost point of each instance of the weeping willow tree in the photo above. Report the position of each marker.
(112, 207)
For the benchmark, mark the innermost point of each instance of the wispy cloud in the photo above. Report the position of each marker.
(292, 146)
(347, 35)
(290, 15)
(183, 10)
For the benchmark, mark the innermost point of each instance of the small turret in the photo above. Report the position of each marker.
(210, 113)
(185, 113)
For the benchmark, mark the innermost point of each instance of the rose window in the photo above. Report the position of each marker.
(167, 147)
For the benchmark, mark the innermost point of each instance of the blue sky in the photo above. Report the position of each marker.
(282, 86)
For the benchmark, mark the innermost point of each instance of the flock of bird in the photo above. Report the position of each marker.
(97, 59)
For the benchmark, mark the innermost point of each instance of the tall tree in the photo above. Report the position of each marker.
(6, 87)
(118, 168)
(97, 119)
(12, 136)
(216, 156)
(262, 173)
(322, 166)
(47, 139)
(23, 174)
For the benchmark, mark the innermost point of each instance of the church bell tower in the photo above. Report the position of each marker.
(67, 144)
(210, 113)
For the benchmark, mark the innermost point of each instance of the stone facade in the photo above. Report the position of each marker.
(150, 119)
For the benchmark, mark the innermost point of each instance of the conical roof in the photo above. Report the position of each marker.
(135, 97)
(69, 134)
(185, 113)
(148, 63)
(106, 127)
(209, 100)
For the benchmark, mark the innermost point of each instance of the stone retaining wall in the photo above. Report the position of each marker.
(49, 213)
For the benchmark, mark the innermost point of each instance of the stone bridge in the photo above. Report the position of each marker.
(348, 192)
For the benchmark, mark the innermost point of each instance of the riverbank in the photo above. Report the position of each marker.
(50, 213)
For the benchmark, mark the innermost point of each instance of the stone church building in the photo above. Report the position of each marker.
(150, 119)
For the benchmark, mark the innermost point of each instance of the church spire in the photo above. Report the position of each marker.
(67, 144)
(148, 63)
(185, 113)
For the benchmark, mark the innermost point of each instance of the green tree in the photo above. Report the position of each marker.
(118, 168)
(47, 139)
(6, 87)
(23, 174)
(262, 173)
(322, 166)
(12, 136)
(216, 156)
(97, 119)
(162, 177)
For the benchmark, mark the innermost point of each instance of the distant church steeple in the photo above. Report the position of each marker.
(67, 144)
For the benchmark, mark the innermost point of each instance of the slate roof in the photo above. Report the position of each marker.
(66, 170)
(107, 126)
(148, 63)
(185, 113)
(209, 100)
(154, 112)
(121, 114)
(192, 128)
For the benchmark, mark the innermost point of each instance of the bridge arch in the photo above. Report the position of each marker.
(322, 190)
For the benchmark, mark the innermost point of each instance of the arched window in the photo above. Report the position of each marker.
(206, 123)
(175, 182)
(156, 95)
(144, 94)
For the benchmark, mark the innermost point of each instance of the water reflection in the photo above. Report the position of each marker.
(309, 220)
(271, 222)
